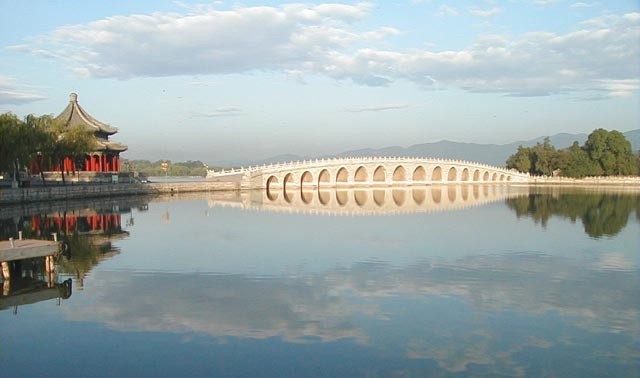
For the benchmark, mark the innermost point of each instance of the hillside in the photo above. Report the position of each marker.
(495, 154)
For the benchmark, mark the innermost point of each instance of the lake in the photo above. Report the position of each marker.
(451, 281)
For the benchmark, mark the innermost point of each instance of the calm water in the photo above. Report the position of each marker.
(442, 282)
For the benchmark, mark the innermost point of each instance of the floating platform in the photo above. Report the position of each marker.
(26, 249)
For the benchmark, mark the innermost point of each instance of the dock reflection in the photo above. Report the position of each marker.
(368, 201)
(34, 283)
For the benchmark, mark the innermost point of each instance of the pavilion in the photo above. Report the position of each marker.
(106, 157)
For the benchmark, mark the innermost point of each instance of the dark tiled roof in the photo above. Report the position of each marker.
(103, 145)
(74, 115)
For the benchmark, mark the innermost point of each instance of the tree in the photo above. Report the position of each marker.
(10, 130)
(611, 151)
(19, 141)
(543, 156)
(68, 142)
(579, 164)
(521, 160)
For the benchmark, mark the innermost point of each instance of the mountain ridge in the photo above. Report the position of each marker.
(488, 153)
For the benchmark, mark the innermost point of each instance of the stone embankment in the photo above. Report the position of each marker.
(633, 181)
(55, 193)
(52, 193)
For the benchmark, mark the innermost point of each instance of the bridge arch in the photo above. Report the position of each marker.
(419, 174)
(288, 180)
(271, 193)
(378, 197)
(464, 193)
(342, 175)
(485, 176)
(436, 175)
(494, 177)
(361, 174)
(380, 174)
(418, 195)
(307, 196)
(399, 196)
(453, 174)
(436, 195)
(306, 178)
(360, 196)
(342, 197)
(324, 196)
(451, 194)
(324, 177)
(465, 174)
(476, 175)
(502, 177)
(399, 174)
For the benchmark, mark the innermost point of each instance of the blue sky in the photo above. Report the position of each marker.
(240, 81)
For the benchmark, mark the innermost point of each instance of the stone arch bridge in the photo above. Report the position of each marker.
(366, 172)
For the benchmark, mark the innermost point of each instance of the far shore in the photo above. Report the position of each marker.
(176, 185)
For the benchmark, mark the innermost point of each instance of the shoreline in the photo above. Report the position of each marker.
(56, 193)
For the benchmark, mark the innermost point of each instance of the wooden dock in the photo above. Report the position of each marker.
(26, 249)
(13, 250)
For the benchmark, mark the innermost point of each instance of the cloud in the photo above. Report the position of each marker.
(377, 108)
(299, 39)
(582, 5)
(486, 13)
(14, 94)
(446, 10)
(546, 2)
(227, 111)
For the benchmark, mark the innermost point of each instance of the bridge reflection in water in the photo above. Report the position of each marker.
(368, 201)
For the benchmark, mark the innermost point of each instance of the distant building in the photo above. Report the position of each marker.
(106, 157)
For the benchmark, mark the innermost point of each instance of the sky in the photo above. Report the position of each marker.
(231, 81)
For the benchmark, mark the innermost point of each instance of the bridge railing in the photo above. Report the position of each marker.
(359, 159)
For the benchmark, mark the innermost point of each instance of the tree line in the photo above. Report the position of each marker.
(41, 141)
(149, 168)
(605, 153)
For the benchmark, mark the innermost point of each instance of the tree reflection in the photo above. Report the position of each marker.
(602, 214)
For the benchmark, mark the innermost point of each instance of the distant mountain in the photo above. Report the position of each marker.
(495, 154)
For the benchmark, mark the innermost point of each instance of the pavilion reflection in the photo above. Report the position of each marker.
(86, 234)
(368, 201)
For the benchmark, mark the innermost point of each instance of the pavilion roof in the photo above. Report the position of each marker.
(104, 145)
(74, 115)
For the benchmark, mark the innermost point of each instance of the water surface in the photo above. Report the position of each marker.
(441, 282)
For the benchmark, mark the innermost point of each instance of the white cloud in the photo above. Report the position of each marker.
(14, 94)
(377, 108)
(296, 39)
(446, 10)
(582, 5)
(486, 13)
(546, 2)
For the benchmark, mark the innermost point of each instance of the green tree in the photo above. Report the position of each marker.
(10, 130)
(611, 151)
(521, 160)
(20, 141)
(543, 155)
(63, 142)
(579, 164)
